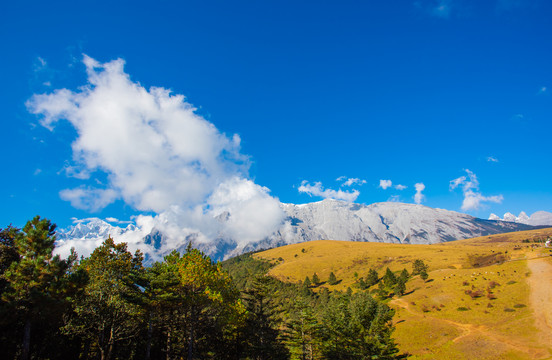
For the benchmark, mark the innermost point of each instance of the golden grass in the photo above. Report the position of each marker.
(499, 324)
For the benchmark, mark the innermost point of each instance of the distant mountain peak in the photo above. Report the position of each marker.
(329, 219)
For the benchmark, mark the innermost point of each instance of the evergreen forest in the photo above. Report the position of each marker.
(109, 305)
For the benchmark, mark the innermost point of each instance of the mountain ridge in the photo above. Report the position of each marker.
(389, 222)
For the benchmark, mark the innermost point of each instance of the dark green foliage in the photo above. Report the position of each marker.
(302, 331)
(108, 312)
(389, 279)
(323, 323)
(400, 287)
(362, 284)
(244, 268)
(315, 280)
(36, 288)
(262, 336)
(349, 292)
(108, 306)
(8, 252)
(418, 266)
(194, 308)
(357, 327)
(372, 278)
(392, 284)
(404, 275)
(424, 275)
(332, 280)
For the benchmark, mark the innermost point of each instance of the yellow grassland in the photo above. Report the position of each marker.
(437, 319)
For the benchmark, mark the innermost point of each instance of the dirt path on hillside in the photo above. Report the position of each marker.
(540, 283)
(471, 329)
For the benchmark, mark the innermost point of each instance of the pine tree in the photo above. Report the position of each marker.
(332, 279)
(389, 279)
(263, 337)
(424, 275)
(307, 282)
(400, 286)
(38, 281)
(418, 266)
(8, 315)
(372, 278)
(349, 292)
(108, 311)
(302, 333)
(165, 303)
(362, 284)
(357, 327)
(404, 275)
(315, 280)
(213, 308)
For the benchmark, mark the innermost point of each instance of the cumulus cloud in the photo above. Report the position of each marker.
(384, 184)
(155, 149)
(158, 155)
(419, 197)
(88, 198)
(317, 189)
(492, 159)
(473, 199)
(350, 181)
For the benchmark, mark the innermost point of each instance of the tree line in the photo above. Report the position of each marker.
(110, 306)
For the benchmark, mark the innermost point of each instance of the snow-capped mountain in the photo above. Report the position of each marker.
(539, 218)
(325, 220)
(92, 228)
(389, 222)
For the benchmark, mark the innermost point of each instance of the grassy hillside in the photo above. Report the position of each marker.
(476, 303)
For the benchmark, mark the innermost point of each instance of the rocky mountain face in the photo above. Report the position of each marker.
(389, 222)
(539, 218)
(92, 228)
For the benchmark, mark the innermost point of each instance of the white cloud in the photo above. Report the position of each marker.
(473, 199)
(89, 198)
(318, 190)
(350, 181)
(158, 155)
(39, 65)
(252, 210)
(400, 187)
(542, 90)
(492, 159)
(384, 184)
(419, 197)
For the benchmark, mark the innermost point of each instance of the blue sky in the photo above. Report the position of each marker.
(454, 95)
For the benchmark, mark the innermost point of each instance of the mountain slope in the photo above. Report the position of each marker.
(384, 222)
(478, 303)
(387, 222)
